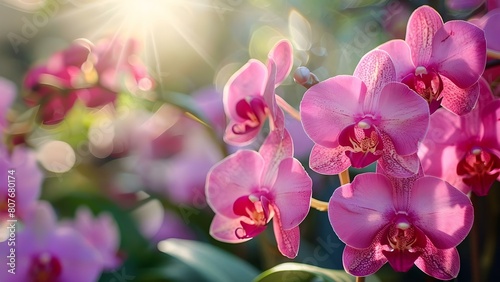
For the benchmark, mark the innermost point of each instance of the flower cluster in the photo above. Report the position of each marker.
(418, 108)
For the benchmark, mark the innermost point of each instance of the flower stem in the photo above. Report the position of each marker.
(360, 279)
(287, 108)
(319, 205)
(344, 177)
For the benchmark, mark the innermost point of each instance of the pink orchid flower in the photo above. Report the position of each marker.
(248, 189)
(45, 251)
(249, 95)
(357, 120)
(403, 221)
(441, 62)
(465, 150)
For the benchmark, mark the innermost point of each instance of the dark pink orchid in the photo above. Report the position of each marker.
(357, 120)
(441, 62)
(249, 95)
(403, 221)
(465, 150)
(248, 189)
(91, 74)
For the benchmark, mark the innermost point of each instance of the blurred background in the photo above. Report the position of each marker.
(144, 159)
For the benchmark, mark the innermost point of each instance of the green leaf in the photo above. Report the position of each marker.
(208, 261)
(292, 271)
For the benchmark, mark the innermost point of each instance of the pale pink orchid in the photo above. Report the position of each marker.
(101, 232)
(441, 62)
(404, 221)
(248, 189)
(465, 150)
(357, 120)
(248, 96)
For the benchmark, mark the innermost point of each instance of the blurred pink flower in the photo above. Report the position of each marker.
(357, 120)
(465, 150)
(101, 232)
(47, 252)
(441, 62)
(91, 74)
(249, 95)
(489, 23)
(248, 189)
(417, 220)
(25, 174)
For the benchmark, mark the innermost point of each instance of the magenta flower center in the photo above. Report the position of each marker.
(401, 236)
(479, 169)
(426, 83)
(253, 110)
(256, 212)
(45, 268)
(363, 143)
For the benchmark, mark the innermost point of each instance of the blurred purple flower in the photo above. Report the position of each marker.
(26, 175)
(47, 252)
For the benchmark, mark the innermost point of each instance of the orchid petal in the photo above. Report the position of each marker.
(359, 210)
(328, 161)
(235, 176)
(459, 51)
(288, 240)
(249, 81)
(277, 147)
(282, 56)
(240, 139)
(331, 105)
(443, 264)
(270, 89)
(375, 69)
(422, 26)
(397, 165)
(292, 185)
(457, 100)
(401, 109)
(441, 211)
(364, 262)
(224, 229)
(401, 57)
